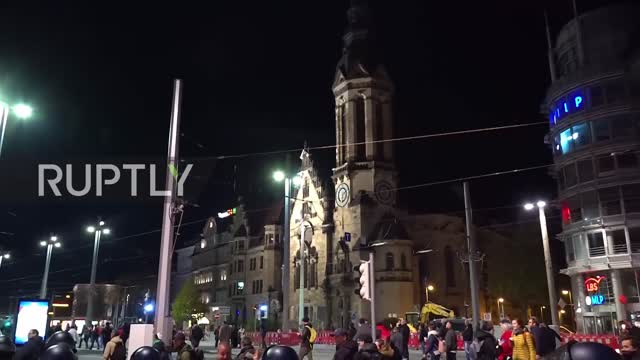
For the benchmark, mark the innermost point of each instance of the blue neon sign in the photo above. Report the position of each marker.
(597, 299)
(567, 105)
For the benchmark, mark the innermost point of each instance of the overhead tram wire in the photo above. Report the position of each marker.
(404, 138)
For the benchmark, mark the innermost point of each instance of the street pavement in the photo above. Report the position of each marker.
(320, 352)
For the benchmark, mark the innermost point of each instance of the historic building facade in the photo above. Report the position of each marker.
(594, 114)
(238, 270)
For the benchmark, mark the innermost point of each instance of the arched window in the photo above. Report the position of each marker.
(403, 262)
(449, 266)
(389, 261)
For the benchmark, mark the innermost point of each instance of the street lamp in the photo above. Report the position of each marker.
(542, 314)
(97, 230)
(501, 302)
(280, 176)
(429, 288)
(567, 292)
(50, 244)
(6, 255)
(22, 111)
(547, 258)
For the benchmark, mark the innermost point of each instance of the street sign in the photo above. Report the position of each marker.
(487, 316)
(347, 237)
(562, 304)
(225, 310)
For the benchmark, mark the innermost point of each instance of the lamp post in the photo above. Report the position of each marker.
(568, 292)
(22, 111)
(97, 230)
(553, 301)
(501, 311)
(427, 289)
(280, 176)
(50, 244)
(542, 314)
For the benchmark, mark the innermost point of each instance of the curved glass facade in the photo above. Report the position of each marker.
(594, 114)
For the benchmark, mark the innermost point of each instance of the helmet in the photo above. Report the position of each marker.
(6, 345)
(279, 352)
(145, 353)
(61, 337)
(60, 351)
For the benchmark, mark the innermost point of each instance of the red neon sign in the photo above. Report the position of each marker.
(593, 284)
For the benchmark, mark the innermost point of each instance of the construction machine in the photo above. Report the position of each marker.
(429, 311)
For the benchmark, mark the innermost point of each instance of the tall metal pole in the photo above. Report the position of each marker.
(45, 277)
(92, 281)
(301, 293)
(286, 260)
(4, 116)
(163, 323)
(471, 246)
(372, 290)
(551, 283)
(1, 260)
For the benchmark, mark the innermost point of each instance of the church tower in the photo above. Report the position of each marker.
(363, 92)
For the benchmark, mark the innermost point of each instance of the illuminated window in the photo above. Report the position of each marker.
(581, 134)
(223, 275)
(566, 141)
(203, 243)
(579, 246)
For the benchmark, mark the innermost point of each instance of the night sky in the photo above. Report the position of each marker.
(257, 78)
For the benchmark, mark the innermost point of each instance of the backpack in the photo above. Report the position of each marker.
(119, 352)
(313, 334)
(474, 349)
(442, 347)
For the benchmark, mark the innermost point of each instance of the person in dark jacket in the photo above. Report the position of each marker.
(544, 337)
(433, 340)
(352, 331)
(451, 341)
(467, 337)
(406, 334)
(363, 329)
(424, 334)
(396, 340)
(32, 349)
(160, 346)
(263, 333)
(487, 342)
(346, 348)
(367, 351)
(196, 335)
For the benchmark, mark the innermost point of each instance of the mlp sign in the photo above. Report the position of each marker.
(592, 285)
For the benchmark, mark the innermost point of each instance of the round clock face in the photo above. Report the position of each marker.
(384, 192)
(342, 195)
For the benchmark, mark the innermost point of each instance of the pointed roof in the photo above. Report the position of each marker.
(359, 58)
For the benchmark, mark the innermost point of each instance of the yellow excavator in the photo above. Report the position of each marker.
(437, 311)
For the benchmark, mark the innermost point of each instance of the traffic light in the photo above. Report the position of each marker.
(363, 279)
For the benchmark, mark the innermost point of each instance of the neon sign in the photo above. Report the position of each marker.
(566, 105)
(593, 284)
(594, 300)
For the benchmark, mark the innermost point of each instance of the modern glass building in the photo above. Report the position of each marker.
(593, 105)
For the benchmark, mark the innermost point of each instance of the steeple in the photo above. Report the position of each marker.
(358, 57)
(363, 96)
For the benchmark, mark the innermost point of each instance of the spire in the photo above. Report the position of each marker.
(357, 56)
(552, 64)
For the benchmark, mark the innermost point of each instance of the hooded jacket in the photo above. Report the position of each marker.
(368, 352)
(488, 345)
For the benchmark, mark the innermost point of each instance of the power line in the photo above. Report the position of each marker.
(404, 138)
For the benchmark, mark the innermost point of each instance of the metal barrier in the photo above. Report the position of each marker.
(609, 340)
